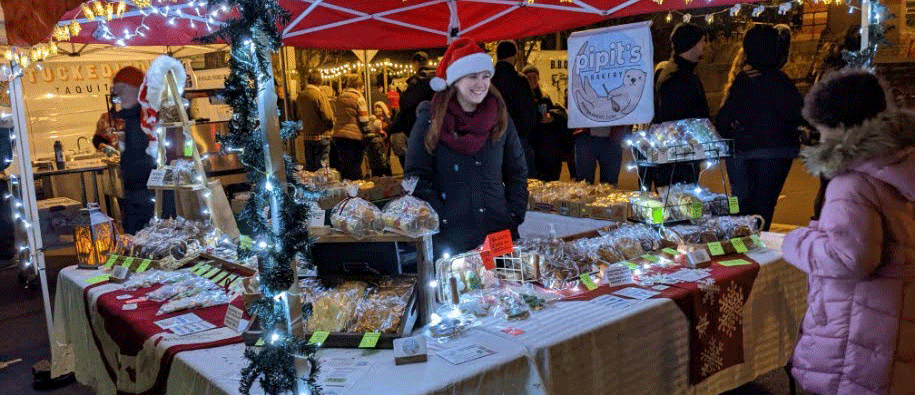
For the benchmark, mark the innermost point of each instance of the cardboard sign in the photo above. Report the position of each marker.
(232, 318)
(369, 340)
(318, 337)
(587, 281)
(618, 275)
(496, 244)
(715, 248)
(739, 246)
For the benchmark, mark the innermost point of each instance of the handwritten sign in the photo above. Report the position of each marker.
(715, 248)
(735, 262)
(739, 246)
(695, 210)
(369, 340)
(587, 281)
(127, 262)
(111, 260)
(618, 275)
(143, 265)
(318, 337)
(232, 318)
(496, 244)
(733, 205)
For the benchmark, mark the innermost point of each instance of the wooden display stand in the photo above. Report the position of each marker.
(191, 199)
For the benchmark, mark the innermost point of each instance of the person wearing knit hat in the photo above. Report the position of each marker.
(679, 94)
(761, 112)
(137, 207)
(856, 337)
(466, 155)
(516, 91)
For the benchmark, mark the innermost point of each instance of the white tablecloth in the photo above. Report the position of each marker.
(571, 347)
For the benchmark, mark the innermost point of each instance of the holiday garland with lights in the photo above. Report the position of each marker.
(254, 38)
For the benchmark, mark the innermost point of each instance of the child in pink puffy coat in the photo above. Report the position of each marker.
(858, 336)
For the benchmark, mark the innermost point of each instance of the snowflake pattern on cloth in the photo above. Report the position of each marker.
(731, 309)
(711, 357)
(702, 325)
(709, 290)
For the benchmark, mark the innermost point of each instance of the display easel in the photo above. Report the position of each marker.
(217, 207)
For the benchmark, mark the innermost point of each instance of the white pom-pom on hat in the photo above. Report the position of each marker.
(463, 57)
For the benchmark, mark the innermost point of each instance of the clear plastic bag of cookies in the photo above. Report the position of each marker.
(410, 216)
(356, 216)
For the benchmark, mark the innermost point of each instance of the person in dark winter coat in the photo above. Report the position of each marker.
(467, 155)
(762, 113)
(136, 164)
(552, 142)
(678, 95)
(519, 99)
(417, 91)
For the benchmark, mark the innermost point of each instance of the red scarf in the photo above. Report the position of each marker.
(467, 132)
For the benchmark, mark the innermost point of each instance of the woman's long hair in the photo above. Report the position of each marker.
(439, 106)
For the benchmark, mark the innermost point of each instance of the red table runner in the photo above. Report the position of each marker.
(714, 311)
(136, 352)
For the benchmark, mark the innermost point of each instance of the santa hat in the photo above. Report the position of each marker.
(463, 57)
(129, 75)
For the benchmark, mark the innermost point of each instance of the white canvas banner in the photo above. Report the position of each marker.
(611, 73)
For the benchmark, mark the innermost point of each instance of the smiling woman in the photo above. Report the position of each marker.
(466, 153)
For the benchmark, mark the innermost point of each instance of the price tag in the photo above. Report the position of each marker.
(233, 318)
(260, 343)
(189, 148)
(318, 337)
(587, 281)
(630, 265)
(657, 215)
(129, 306)
(735, 262)
(739, 246)
(496, 244)
(156, 178)
(111, 260)
(203, 269)
(650, 258)
(695, 210)
(733, 205)
(671, 251)
(212, 272)
(143, 265)
(96, 279)
(618, 275)
(127, 262)
(369, 340)
(757, 241)
(219, 277)
(197, 266)
(715, 248)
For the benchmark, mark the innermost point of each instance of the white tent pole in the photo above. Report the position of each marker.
(27, 189)
(865, 23)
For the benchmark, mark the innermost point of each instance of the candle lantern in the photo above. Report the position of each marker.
(95, 237)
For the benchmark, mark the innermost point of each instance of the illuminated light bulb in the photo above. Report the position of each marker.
(433, 283)
(670, 17)
(142, 3)
(710, 18)
(446, 255)
(171, 21)
(122, 6)
(75, 28)
(121, 42)
(52, 48)
(109, 11)
(274, 338)
(87, 12)
(269, 186)
(98, 8)
(687, 18)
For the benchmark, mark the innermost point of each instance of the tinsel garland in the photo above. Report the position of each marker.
(254, 37)
(864, 57)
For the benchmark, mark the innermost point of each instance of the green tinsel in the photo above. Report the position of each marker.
(254, 37)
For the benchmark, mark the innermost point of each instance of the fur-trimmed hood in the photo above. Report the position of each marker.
(888, 133)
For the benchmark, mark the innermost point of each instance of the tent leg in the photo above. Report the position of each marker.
(23, 163)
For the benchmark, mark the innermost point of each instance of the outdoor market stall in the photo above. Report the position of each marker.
(756, 298)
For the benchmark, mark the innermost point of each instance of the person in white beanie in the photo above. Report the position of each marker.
(465, 151)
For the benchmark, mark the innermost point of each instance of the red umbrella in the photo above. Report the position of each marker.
(337, 24)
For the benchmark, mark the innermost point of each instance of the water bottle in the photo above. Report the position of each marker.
(59, 154)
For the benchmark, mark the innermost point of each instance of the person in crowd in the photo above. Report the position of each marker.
(856, 337)
(553, 137)
(106, 134)
(418, 91)
(466, 154)
(762, 114)
(136, 164)
(600, 146)
(317, 123)
(519, 99)
(351, 126)
(678, 95)
(393, 101)
(377, 141)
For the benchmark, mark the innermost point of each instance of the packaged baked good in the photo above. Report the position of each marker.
(356, 216)
(202, 299)
(334, 310)
(410, 216)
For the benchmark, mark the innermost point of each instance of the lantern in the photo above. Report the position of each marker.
(94, 235)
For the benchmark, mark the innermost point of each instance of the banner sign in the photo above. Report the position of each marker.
(611, 76)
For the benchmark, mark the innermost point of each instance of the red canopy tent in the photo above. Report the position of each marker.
(340, 24)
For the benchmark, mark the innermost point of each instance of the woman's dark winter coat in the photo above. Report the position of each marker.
(474, 195)
(762, 110)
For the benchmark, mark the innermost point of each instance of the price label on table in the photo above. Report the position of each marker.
(695, 210)
(369, 340)
(127, 262)
(671, 251)
(197, 266)
(739, 246)
(650, 258)
(111, 260)
(630, 265)
(318, 337)
(144, 264)
(757, 241)
(735, 262)
(733, 205)
(587, 281)
(618, 275)
(715, 248)
(657, 215)
(212, 272)
(220, 276)
(189, 148)
(203, 269)
(96, 279)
